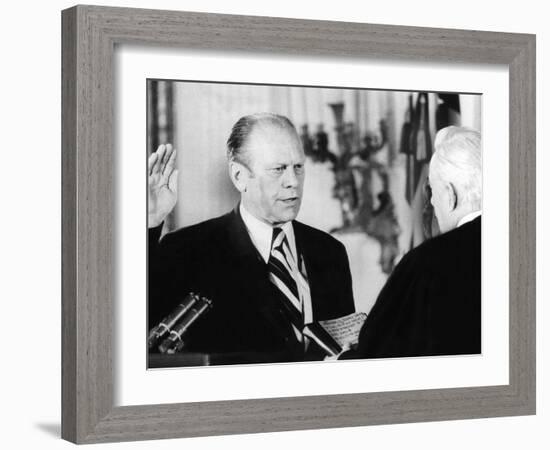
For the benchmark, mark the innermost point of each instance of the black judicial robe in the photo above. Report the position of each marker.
(217, 259)
(431, 303)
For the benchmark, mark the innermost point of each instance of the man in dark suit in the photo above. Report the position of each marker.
(431, 303)
(267, 274)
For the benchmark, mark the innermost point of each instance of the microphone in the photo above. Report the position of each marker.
(174, 342)
(163, 328)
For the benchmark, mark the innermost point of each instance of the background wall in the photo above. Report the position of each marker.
(203, 114)
(31, 240)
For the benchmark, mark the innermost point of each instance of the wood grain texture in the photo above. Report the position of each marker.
(89, 36)
(68, 224)
(523, 224)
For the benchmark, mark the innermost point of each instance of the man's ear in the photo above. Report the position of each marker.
(239, 175)
(452, 196)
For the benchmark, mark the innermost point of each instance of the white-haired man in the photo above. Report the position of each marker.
(431, 303)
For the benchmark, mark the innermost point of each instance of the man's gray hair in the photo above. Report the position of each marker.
(457, 160)
(244, 126)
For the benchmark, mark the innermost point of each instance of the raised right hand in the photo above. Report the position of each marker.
(163, 184)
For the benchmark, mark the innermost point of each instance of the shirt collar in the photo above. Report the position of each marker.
(469, 217)
(261, 233)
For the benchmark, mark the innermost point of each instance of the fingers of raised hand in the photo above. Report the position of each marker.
(170, 163)
(156, 167)
(173, 181)
(153, 158)
(163, 161)
(166, 156)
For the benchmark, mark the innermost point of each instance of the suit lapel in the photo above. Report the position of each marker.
(312, 258)
(239, 242)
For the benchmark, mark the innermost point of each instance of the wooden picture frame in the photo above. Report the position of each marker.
(90, 34)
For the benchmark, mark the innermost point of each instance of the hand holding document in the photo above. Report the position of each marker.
(345, 330)
(336, 336)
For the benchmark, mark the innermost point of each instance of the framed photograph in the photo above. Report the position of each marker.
(211, 287)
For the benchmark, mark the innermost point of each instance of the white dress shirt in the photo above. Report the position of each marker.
(469, 217)
(261, 234)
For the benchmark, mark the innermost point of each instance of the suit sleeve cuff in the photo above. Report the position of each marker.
(155, 232)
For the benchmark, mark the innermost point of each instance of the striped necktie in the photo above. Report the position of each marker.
(282, 273)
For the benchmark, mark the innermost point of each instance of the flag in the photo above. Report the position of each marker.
(405, 147)
(418, 159)
(448, 111)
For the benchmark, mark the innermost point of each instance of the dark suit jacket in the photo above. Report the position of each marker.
(431, 304)
(217, 259)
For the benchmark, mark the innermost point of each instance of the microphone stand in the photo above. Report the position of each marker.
(159, 332)
(174, 342)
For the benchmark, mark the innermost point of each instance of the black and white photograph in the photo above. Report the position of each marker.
(302, 223)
